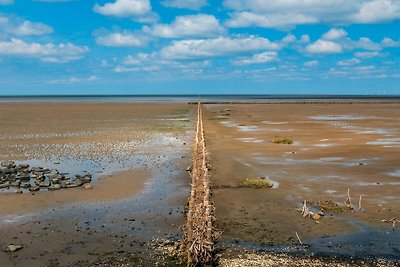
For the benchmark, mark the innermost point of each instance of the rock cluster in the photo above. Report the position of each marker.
(23, 176)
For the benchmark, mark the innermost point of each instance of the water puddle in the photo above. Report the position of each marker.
(275, 122)
(395, 173)
(387, 141)
(244, 128)
(341, 117)
(229, 123)
(250, 140)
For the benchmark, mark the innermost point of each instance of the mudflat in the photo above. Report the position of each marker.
(335, 148)
(137, 154)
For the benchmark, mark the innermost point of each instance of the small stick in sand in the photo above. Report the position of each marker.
(348, 200)
(298, 238)
(359, 203)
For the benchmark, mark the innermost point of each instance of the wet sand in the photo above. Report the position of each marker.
(335, 147)
(118, 186)
(137, 154)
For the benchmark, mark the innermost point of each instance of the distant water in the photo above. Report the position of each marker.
(186, 98)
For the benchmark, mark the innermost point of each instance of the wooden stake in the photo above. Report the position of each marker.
(348, 201)
(298, 238)
(359, 203)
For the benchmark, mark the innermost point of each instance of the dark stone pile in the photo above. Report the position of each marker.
(37, 178)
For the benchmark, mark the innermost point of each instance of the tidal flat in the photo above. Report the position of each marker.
(138, 153)
(337, 150)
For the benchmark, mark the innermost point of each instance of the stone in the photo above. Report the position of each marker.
(12, 248)
(55, 181)
(87, 186)
(44, 184)
(63, 184)
(35, 188)
(18, 191)
(15, 183)
(55, 187)
(85, 179)
(10, 171)
(316, 216)
(5, 185)
(25, 178)
(25, 185)
(23, 166)
(8, 164)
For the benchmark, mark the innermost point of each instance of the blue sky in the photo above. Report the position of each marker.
(199, 47)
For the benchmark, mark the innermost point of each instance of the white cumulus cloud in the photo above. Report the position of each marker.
(55, 53)
(334, 34)
(221, 46)
(16, 26)
(32, 28)
(122, 39)
(266, 57)
(324, 47)
(200, 25)
(187, 4)
(139, 10)
(289, 13)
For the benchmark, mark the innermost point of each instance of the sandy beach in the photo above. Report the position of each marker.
(137, 154)
(335, 148)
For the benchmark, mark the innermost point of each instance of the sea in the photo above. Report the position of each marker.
(190, 98)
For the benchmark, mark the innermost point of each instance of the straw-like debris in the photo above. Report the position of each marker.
(198, 246)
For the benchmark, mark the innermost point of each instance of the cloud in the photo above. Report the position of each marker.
(144, 62)
(334, 34)
(388, 42)
(54, 53)
(287, 14)
(74, 80)
(281, 21)
(324, 47)
(122, 69)
(32, 28)
(376, 11)
(6, 2)
(139, 59)
(369, 54)
(336, 41)
(139, 10)
(221, 46)
(312, 63)
(16, 26)
(265, 57)
(200, 25)
(188, 4)
(349, 62)
(122, 39)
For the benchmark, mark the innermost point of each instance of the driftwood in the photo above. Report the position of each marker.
(348, 200)
(298, 238)
(359, 203)
(393, 221)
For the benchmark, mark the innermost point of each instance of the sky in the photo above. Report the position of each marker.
(62, 47)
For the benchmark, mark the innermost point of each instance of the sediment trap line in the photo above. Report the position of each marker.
(199, 232)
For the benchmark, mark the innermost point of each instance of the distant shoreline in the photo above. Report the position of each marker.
(206, 99)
